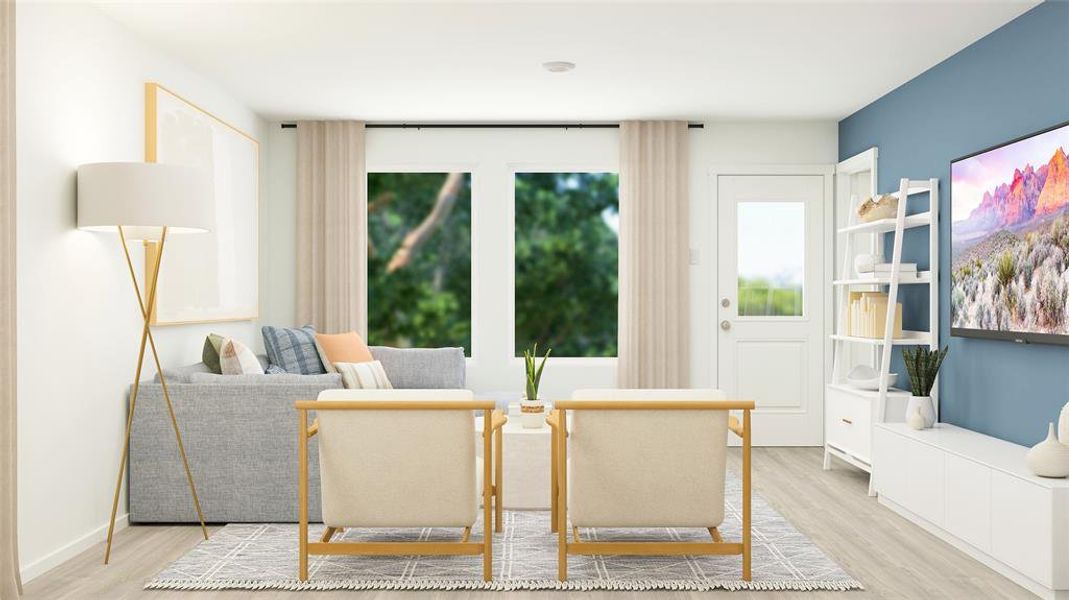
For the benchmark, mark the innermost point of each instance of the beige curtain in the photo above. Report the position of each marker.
(331, 226)
(10, 585)
(654, 329)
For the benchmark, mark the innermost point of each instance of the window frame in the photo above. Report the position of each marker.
(513, 168)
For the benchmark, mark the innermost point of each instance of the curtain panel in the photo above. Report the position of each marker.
(10, 585)
(654, 301)
(332, 226)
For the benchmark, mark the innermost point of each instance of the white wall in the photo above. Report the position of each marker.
(80, 99)
(491, 155)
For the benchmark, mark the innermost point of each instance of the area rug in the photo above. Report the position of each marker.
(264, 556)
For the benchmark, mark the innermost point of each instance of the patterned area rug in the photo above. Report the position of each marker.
(264, 556)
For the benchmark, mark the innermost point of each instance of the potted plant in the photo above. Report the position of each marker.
(922, 364)
(532, 410)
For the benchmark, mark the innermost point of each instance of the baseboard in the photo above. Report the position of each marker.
(70, 550)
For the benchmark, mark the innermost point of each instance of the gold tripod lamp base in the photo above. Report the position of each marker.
(147, 309)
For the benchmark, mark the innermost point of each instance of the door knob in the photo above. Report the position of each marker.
(725, 325)
(725, 302)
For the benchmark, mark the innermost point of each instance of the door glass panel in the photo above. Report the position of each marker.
(771, 267)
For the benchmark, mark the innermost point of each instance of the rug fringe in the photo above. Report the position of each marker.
(509, 585)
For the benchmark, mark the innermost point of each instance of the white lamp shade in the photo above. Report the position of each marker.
(143, 198)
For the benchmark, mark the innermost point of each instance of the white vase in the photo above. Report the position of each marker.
(1049, 458)
(532, 414)
(1063, 425)
(915, 420)
(922, 404)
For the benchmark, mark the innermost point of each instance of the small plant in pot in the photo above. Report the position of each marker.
(533, 411)
(922, 364)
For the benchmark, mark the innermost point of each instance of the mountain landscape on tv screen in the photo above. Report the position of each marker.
(1010, 256)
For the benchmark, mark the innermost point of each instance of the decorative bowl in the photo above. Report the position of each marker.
(866, 378)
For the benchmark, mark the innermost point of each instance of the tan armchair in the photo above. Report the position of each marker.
(646, 458)
(378, 449)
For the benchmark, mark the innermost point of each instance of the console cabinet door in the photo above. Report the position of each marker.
(968, 501)
(926, 477)
(1021, 526)
(889, 464)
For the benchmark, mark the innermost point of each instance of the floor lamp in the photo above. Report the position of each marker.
(147, 202)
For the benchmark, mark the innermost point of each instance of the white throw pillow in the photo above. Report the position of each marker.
(364, 375)
(235, 358)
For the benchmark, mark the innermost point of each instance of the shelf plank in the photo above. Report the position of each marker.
(886, 225)
(918, 277)
(922, 186)
(909, 338)
(849, 389)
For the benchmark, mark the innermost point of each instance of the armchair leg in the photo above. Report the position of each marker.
(499, 468)
(747, 501)
(553, 484)
(562, 498)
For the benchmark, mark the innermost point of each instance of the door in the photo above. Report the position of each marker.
(770, 307)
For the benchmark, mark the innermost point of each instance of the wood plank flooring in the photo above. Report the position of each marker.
(892, 557)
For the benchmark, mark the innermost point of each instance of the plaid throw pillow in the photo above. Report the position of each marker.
(293, 349)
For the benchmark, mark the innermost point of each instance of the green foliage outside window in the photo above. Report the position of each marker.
(566, 262)
(759, 297)
(419, 260)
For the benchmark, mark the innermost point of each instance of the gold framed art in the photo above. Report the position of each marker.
(213, 276)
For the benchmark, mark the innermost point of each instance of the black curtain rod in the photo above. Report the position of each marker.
(493, 126)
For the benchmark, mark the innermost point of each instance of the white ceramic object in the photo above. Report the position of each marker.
(1049, 458)
(532, 414)
(915, 420)
(866, 378)
(923, 405)
(1063, 425)
(864, 263)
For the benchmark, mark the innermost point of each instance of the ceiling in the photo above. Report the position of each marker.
(448, 61)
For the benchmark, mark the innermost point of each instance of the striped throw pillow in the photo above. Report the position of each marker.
(293, 349)
(235, 358)
(364, 375)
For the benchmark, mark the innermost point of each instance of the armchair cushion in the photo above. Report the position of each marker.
(397, 468)
(647, 468)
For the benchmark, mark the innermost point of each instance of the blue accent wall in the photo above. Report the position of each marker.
(1008, 84)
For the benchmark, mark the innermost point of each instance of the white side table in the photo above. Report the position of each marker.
(526, 464)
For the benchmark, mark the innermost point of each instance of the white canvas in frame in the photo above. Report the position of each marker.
(208, 276)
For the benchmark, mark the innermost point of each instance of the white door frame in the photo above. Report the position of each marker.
(828, 172)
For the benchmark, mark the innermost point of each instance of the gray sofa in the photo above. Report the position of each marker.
(240, 433)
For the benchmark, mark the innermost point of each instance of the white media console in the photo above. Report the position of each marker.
(974, 492)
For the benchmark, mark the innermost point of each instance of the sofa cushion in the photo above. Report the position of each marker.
(368, 375)
(422, 368)
(182, 374)
(327, 379)
(346, 347)
(210, 352)
(236, 358)
(293, 349)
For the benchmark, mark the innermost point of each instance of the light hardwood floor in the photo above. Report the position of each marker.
(889, 555)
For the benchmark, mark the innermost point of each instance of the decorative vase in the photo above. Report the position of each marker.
(532, 414)
(1049, 458)
(922, 404)
(915, 420)
(1063, 425)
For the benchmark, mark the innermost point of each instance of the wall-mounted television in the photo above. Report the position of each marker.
(1009, 263)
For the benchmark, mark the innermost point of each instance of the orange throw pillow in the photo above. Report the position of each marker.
(342, 348)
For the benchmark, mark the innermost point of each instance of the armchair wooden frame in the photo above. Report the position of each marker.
(558, 421)
(493, 421)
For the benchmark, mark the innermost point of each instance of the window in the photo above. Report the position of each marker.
(567, 229)
(419, 260)
(771, 238)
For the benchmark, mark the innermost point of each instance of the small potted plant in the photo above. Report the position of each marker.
(922, 364)
(532, 410)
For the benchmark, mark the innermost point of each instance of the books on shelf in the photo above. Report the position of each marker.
(867, 315)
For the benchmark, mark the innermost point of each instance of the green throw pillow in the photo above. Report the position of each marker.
(210, 354)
